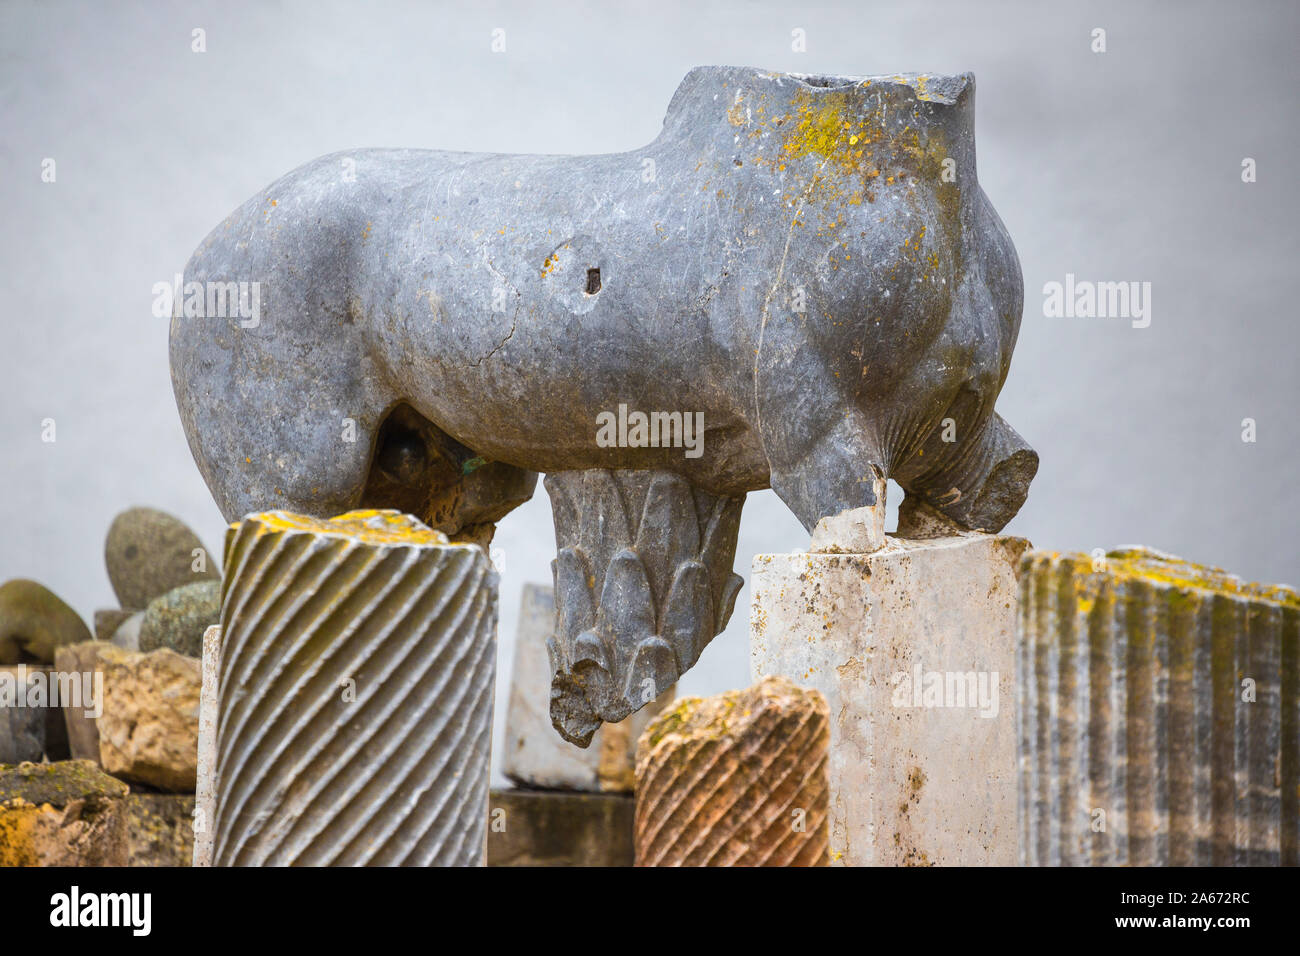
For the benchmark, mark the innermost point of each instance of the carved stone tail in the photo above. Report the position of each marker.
(356, 685)
(983, 488)
(643, 582)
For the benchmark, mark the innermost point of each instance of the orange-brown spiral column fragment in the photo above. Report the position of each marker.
(735, 780)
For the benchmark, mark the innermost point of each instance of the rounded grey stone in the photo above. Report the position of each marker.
(149, 552)
(34, 622)
(178, 619)
(22, 729)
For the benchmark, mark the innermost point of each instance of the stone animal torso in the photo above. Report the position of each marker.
(786, 249)
(806, 266)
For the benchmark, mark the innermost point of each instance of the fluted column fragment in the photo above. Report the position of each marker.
(355, 693)
(739, 779)
(1159, 711)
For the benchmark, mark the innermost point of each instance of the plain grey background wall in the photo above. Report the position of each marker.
(1123, 165)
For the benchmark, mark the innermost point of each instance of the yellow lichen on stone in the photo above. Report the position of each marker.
(19, 821)
(825, 125)
(369, 526)
(1167, 569)
(862, 141)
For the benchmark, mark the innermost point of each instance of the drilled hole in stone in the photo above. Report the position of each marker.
(593, 281)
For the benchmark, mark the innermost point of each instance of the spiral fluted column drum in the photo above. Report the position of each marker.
(1159, 713)
(739, 779)
(356, 687)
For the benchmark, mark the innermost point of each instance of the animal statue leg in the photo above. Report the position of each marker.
(643, 582)
(839, 471)
(312, 459)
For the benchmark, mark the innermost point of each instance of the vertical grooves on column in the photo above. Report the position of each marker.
(1264, 652)
(1289, 728)
(1180, 761)
(1225, 625)
(1032, 807)
(1042, 769)
(1203, 707)
(1117, 643)
(1083, 599)
(1027, 779)
(1140, 730)
(1161, 623)
(1067, 720)
(1242, 817)
(1135, 695)
(1099, 724)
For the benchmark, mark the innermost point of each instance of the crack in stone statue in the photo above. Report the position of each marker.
(809, 262)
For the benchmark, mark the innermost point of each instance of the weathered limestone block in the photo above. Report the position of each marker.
(160, 829)
(1159, 714)
(205, 788)
(355, 694)
(147, 724)
(841, 310)
(535, 756)
(913, 647)
(80, 716)
(35, 622)
(554, 828)
(62, 814)
(148, 732)
(855, 531)
(738, 779)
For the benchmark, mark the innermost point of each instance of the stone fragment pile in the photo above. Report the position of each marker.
(101, 730)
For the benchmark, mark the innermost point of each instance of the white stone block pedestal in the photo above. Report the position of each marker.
(204, 796)
(913, 647)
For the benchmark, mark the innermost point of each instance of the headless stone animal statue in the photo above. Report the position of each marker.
(808, 263)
